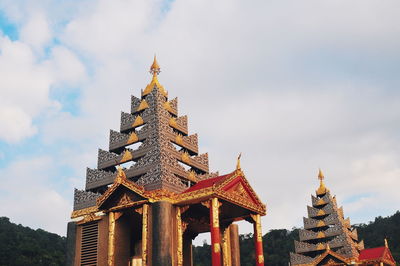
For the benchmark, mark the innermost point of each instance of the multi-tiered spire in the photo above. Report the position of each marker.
(152, 146)
(325, 230)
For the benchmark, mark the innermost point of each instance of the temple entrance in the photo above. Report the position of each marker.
(128, 238)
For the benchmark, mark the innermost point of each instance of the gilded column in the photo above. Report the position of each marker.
(111, 238)
(215, 233)
(234, 243)
(180, 236)
(258, 240)
(226, 247)
(145, 215)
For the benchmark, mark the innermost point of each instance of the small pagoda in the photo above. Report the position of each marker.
(329, 239)
(152, 194)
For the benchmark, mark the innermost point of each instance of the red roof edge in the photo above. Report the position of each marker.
(206, 183)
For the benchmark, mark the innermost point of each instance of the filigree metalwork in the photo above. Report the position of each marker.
(84, 199)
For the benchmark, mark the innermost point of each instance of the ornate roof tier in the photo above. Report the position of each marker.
(326, 232)
(154, 140)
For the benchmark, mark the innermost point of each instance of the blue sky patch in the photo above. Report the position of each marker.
(9, 29)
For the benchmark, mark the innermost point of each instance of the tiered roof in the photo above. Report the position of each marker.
(166, 157)
(326, 231)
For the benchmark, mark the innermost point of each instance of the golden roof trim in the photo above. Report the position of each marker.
(84, 211)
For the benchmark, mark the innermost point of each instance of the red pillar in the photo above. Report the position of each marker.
(215, 233)
(258, 240)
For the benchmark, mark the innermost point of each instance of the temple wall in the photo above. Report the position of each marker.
(103, 242)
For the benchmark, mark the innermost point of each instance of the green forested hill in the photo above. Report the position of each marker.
(21, 245)
(278, 243)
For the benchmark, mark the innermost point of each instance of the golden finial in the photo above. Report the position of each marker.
(328, 247)
(322, 189)
(320, 175)
(238, 161)
(155, 67)
(386, 243)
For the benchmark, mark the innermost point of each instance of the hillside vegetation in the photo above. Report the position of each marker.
(278, 243)
(21, 245)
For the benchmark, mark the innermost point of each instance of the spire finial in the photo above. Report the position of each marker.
(322, 189)
(320, 175)
(238, 161)
(155, 67)
(386, 243)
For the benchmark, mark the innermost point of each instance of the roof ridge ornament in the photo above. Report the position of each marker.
(155, 67)
(322, 188)
(155, 71)
(238, 162)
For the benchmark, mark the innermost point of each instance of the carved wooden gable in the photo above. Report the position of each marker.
(239, 190)
(331, 258)
(121, 194)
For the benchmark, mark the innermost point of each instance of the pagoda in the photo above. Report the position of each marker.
(329, 239)
(152, 194)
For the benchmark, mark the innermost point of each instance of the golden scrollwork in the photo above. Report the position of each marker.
(143, 105)
(89, 218)
(260, 259)
(206, 204)
(132, 138)
(111, 238)
(226, 247)
(257, 226)
(185, 157)
(179, 236)
(138, 121)
(145, 216)
(85, 211)
(127, 156)
(215, 211)
(216, 247)
(167, 106)
(161, 194)
(179, 139)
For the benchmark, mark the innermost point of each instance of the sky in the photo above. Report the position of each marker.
(292, 85)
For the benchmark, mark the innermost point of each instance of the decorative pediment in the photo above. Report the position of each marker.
(122, 193)
(232, 187)
(330, 257)
(122, 197)
(237, 189)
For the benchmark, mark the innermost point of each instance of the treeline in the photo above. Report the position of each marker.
(278, 243)
(21, 245)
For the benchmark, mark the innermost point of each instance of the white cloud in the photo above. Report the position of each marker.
(29, 196)
(293, 85)
(36, 31)
(16, 124)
